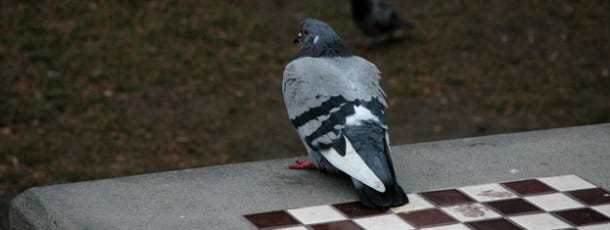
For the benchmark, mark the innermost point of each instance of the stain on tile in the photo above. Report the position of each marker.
(470, 212)
(487, 192)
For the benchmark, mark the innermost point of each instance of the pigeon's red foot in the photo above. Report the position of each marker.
(301, 164)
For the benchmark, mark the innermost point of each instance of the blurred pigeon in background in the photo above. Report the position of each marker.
(337, 106)
(375, 18)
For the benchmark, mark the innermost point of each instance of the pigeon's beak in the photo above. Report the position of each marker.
(296, 40)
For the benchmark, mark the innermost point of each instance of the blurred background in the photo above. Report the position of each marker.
(99, 89)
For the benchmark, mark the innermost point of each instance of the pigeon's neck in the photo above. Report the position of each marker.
(328, 49)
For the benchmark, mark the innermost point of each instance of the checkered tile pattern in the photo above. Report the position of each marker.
(560, 202)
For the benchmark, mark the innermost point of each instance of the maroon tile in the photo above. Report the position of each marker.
(513, 206)
(446, 197)
(427, 218)
(271, 219)
(496, 224)
(529, 187)
(594, 196)
(583, 216)
(340, 225)
(355, 209)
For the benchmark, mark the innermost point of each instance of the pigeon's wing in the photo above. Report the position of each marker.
(320, 94)
(314, 83)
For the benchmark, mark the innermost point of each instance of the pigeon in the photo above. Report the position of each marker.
(335, 102)
(375, 18)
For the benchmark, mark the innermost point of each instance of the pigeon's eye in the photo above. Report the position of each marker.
(306, 32)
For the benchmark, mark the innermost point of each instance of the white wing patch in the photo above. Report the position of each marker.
(360, 114)
(353, 165)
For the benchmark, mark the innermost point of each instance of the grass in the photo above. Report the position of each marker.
(111, 88)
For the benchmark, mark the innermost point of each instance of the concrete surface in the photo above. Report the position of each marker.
(216, 197)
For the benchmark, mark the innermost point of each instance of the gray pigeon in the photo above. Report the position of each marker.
(337, 106)
(375, 18)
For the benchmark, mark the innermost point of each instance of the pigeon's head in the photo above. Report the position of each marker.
(314, 31)
(317, 39)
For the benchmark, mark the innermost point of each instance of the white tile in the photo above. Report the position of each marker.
(293, 228)
(470, 212)
(488, 192)
(542, 221)
(389, 221)
(566, 183)
(449, 227)
(416, 202)
(554, 202)
(316, 214)
(605, 226)
(603, 209)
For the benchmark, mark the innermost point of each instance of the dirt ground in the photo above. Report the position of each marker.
(98, 89)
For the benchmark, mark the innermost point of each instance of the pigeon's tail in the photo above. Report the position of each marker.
(400, 23)
(369, 140)
(392, 197)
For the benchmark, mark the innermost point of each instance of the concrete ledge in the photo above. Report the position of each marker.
(216, 197)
